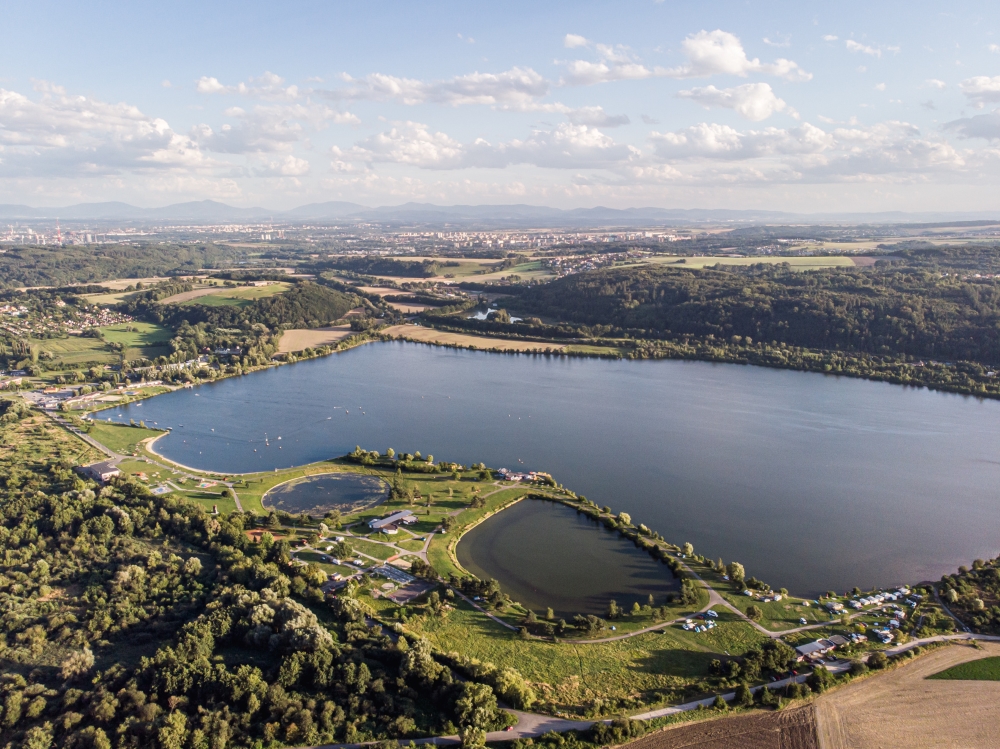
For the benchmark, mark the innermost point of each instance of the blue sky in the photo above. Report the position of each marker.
(846, 106)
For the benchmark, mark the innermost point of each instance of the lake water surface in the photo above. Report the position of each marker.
(813, 482)
(546, 554)
(318, 495)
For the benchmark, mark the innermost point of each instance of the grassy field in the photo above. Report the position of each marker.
(76, 351)
(578, 679)
(239, 296)
(778, 615)
(985, 669)
(797, 263)
(110, 298)
(119, 438)
(143, 340)
(371, 549)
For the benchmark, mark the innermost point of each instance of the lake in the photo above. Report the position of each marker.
(318, 495)
(546, 554)
(813, 482)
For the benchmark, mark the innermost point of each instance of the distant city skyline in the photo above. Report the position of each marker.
(778, 106)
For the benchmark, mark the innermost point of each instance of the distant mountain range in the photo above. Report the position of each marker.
(210, 211)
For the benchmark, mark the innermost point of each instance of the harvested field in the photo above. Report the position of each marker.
(430, 335)
(300, 338)
(187, 296)
(380, 290)
(905, 708)
(794, 728)
(409, 309)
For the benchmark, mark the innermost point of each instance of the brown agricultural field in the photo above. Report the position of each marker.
(793, 728)
(905, 708)
(430, 335)
(300, 338)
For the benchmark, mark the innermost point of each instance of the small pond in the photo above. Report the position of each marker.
(318, 495)
(546, 554)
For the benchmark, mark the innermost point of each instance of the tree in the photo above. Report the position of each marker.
(720, 703)
(476, 705)
(624, 518)
(744, 697)
(613, 611)
(636, 608)
(390, 453)
(755, 613)
(878, 660)
(687, 549)
(736, 572)
(550, 614)
(78, 663)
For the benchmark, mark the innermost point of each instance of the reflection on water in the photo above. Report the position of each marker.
(546, 554)
(812, 482)
(318, 495)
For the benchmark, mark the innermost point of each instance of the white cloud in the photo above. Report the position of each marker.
(854, 46)
(786, 42)
(994, 48)
(267, 129)
(830, 37)
(290, 166)
(880, 87)
(268, 86)
(719, 52)
(567, 146)
(708, 52)
(935, 83)
(574, 40)
(517, 86)
(755, 101)
(981, 90)
(886, 151)
(59, 134)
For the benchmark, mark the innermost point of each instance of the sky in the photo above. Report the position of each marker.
(808, 107)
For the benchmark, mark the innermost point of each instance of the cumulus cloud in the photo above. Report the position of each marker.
(719, 52)
(567, 146)
(290, 166)
(883, 151)
(574, 40)
(708, 53)
(267, 128)
(755, 101)
(59, 134)
(830, 37)
(935, 83)
(268, 86)
(854, 46)
(981, 90)
(517, 86)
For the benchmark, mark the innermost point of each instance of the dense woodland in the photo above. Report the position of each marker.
(58, 266)
(128, 620)
(907, 306)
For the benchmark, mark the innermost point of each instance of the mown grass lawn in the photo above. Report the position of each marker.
(118, 437)
(76, 351)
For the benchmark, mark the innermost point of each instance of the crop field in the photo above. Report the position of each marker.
(298, 339)
(532, 271)
(906, 708)
(144, 340)
(239, 296)
(796, 263)
(76, 351)
(794, 728)
(420, 334)
(984, 669)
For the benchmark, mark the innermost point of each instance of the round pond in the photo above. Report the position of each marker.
(545, 554)
(318, 495)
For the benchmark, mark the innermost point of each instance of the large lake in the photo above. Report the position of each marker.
(813, 482)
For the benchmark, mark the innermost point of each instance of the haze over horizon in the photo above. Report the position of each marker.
(763, 106)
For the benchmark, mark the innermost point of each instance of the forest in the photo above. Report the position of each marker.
(128, 620)
(59, 266)
(904, 306)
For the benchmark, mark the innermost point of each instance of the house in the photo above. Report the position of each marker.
(815, 648)
(403, 516)
(102, 472)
